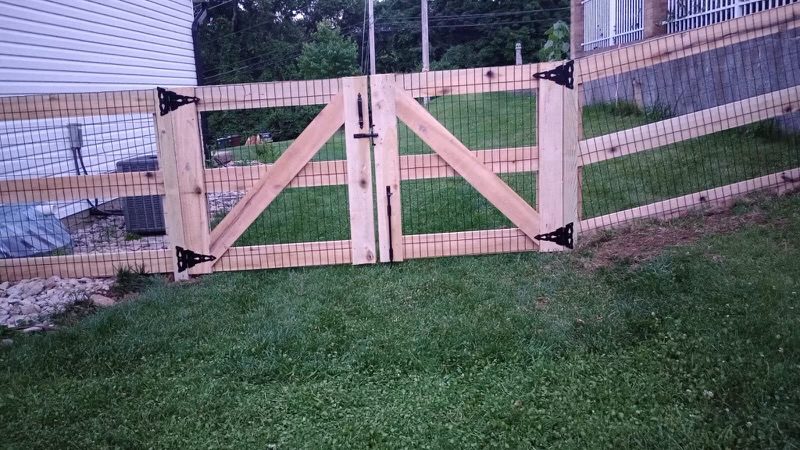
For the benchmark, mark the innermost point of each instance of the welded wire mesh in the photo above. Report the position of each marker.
(248, 128)
(662, 124)
(491, 111)
(69, 164)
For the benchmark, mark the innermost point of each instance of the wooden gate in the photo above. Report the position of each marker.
(548, 227)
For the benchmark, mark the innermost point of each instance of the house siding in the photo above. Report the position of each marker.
(61, 46)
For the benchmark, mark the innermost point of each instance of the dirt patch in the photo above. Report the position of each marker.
(645, 240)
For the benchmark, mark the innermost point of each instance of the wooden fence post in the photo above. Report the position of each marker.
(359, 169)
(558, 132)
(576, 28)
(180, 156)
(387, 168)
(655, 13)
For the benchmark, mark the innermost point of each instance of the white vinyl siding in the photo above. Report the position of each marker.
(58, 46)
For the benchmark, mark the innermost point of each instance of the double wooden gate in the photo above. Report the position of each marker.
(369, 109)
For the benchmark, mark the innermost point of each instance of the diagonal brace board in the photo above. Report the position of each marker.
(286, 168)
(458, 156)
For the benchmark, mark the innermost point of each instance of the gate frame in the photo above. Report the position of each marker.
(557, 181)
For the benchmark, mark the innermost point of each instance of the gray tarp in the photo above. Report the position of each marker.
(27, 231)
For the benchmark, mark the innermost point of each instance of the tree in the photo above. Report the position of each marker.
(557, 46)
(329, 55)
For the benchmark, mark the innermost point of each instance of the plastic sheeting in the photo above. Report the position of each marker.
(27, 230)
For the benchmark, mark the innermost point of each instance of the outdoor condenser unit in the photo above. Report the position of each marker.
(143, 214)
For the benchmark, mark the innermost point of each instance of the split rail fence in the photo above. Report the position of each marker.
(503, 159)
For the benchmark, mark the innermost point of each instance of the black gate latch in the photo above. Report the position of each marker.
(170, 101)
(562, 236)
(561, 75)
(188, 258)
(365, 135)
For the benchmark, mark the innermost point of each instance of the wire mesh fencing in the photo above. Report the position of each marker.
(462, 161)
(248, 128)
(663, 122)
(78, 179)
(491, 111)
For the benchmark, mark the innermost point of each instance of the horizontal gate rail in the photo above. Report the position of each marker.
(462, 243)
(267, 95)
(499, 160)
(278, 256)
(241, 178)
(107, 185)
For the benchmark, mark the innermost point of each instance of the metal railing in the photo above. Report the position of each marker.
(611, 22)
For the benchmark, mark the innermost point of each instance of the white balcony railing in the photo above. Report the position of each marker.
(607, 23)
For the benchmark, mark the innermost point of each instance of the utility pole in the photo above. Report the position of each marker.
(426, 63)
(371, 37)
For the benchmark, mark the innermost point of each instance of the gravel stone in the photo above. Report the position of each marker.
(32, 303)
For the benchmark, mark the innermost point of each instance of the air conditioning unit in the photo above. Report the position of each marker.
(143, 214)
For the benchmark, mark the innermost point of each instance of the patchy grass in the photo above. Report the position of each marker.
(696, 347)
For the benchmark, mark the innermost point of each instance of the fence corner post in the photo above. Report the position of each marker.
(181, 160)
(558, 131)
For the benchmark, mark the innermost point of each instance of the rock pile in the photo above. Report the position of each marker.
(30, 304)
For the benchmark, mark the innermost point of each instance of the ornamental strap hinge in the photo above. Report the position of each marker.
(562, 236)
(170, 101)
(561, 75)
(188, 258)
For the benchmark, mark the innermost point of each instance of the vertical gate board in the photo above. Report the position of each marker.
(286, 168)
(448, 147)
(387, 168)
(181, 162)
(557, 195)
(359, 170)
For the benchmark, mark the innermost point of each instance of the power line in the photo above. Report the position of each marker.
(472, 16)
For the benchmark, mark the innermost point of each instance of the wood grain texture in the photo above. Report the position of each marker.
(498, 160)
(267, 95)
(689, 126)
(180, 152)
(33, 107)
(303, 254)
(359, 171)
(470, 81)
(388, 163)
(482, 242)
(85, 265)
(242, 178)
(557, 193)
(780, 182)
(286, 168)
(105, 186)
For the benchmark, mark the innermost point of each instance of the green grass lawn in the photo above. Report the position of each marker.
(506, 119)
(696, 348)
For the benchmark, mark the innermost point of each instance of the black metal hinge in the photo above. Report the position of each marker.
(562, 236)
(188, 258)
(561, 75)
(170, 101)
